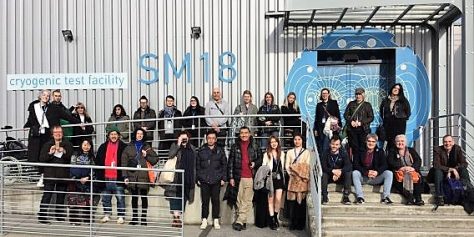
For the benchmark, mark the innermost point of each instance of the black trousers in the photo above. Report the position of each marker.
(346, 179)
(60, 190)
(136, 192)
(393, 127)
(357, 137)
(212, 192)
(417, 188)
(440, 176)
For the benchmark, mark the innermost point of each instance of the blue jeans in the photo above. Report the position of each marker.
(111, 187)
(386, 178)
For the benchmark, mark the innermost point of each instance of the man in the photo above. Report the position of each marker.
(245, 108)
(371, 167)
(211, 172)
(244, 160)
(169, 128)
(145, 112)
(57, 97)
(109, 154)
(337, 168)
(449, 162)
(56, 151)
(218, 106)
(358, 115)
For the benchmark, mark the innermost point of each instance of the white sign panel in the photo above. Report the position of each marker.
(67, 81)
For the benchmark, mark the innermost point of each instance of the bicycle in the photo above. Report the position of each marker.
(15, 151)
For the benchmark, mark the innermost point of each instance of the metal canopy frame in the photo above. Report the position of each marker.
(413, 14)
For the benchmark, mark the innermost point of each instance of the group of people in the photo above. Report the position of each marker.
(257, 171)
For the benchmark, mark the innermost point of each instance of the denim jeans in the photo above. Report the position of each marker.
(111, 187)
(386, 178)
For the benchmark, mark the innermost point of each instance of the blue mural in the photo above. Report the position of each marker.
(401, 65)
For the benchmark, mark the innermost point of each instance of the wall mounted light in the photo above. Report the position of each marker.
(195, 32)
(68, 36)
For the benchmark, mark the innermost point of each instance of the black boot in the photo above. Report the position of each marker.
(275, 216)
(143, 220)
(272, 222)
(134, 218)
(440, 201)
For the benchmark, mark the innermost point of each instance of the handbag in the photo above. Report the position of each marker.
(400, 174)
(151, 173)
(168, 176)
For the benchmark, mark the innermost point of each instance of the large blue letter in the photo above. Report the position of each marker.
(230, 66)
(185, 65)
(154, 71)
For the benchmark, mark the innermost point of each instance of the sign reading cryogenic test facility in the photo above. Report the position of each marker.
(67, 81)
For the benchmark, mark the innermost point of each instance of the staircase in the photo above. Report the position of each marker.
(378, 219)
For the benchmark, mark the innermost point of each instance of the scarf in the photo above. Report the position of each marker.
(169, 111)
(138, 147)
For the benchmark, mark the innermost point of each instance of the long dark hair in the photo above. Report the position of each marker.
(122, 110)
(401, 94)
(269, 148)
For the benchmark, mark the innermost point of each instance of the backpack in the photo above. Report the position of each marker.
(453, 191)
(469, 201)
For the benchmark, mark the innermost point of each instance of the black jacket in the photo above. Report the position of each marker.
(56, 172)
(343, 162)
(364, 114)
(79, 133)
(271, 110)
(379, 162)
(332, 108)
(234, 165)
(294, 121)
(211, 165)
(151, 125)
(395, 163)
(401, 109)
(54, 113)
(100, 161)
(198, 111)
(177, 124)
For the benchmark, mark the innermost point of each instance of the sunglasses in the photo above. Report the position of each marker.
(358, 93)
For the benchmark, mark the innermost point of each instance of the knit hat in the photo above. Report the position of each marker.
(113, 128)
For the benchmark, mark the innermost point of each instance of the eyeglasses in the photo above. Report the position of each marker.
(358, 93)
(371, 141)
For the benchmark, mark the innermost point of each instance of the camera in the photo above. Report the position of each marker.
(184, 141)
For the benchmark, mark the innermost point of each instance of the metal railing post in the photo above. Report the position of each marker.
(2, 196)
(91, 202)
(182, 203)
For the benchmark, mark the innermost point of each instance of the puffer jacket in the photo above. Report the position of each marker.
(211, 165)
(138, 179)
(235, 159)
(269, 110)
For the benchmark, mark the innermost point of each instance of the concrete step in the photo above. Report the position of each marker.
(394, 209)
(396, 232)
(422, 222)
(371, 197)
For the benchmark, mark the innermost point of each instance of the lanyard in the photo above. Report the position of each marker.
(334, 160)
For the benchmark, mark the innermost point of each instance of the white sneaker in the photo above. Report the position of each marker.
(203, 224)
(105, 219)
(40, 182)
(120, 220)
(216, 224)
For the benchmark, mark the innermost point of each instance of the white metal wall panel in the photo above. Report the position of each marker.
(110, 36)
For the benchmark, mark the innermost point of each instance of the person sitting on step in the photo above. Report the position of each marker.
(371, 167)
(448, 161)
(337, 168)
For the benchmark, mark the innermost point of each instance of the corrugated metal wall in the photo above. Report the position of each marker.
(110, 36)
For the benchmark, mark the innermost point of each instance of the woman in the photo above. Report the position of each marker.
(193, 125)
(325, 109)
(79, 209)
(42, 116)
(185, 154)
(297, 165)
(405, 163)
(119, 114)
(137, 154)
(81, 132)
(395, 111)
(268, 124)
(273, 158)
(294, 123)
